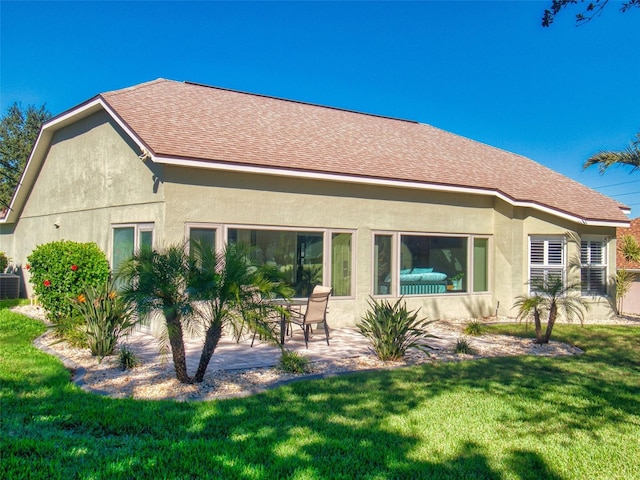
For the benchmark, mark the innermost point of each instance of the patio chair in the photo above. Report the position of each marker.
(315, 313)
(267, 318)
(272, 321)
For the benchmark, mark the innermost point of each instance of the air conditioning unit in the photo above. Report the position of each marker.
(9, 286)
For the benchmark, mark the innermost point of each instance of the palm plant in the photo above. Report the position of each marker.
(550, 297)
(630, 157)
(204, 289)
(229, 290)
(157, 281)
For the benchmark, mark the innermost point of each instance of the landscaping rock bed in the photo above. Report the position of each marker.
(156, 379)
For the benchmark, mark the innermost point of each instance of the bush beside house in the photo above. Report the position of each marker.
(60, 272)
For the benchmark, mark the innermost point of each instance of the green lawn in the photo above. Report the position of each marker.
(507, 418)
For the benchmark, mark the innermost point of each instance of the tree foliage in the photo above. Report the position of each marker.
(229, 290)
(629, 248)
(592, 9)
(628, 157)
(18, 132)
(157, 280)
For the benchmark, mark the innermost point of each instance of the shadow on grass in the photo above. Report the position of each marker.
(358, 426)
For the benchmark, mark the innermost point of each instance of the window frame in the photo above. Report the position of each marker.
(138, 229)
(217, 229)
(396, 251)
(546, 266)
(589, 266)
(222, 239)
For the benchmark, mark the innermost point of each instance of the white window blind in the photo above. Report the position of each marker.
(593, 272)
(546, 260)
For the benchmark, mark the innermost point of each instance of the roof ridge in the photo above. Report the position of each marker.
(138, 86)
(272, 97)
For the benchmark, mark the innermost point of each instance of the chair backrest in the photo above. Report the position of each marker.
(317, 305)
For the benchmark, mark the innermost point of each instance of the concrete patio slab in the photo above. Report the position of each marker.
(231, 355)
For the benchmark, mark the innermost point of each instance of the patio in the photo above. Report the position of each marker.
(231, 355)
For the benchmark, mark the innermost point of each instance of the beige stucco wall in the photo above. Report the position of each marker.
(228, 198)
(91, 178)
(631, 301)
(201, 196)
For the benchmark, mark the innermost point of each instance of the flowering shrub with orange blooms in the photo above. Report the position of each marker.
(60, 271)
(106, 317)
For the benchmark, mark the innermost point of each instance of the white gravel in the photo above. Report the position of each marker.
(156, 379)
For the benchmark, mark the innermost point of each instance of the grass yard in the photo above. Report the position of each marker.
(506, 418)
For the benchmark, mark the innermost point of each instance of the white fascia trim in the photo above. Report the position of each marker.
(334, 177)
(88, 109)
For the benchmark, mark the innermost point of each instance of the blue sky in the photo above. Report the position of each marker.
(484, 70)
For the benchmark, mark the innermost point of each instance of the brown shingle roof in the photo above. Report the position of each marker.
(184, 120)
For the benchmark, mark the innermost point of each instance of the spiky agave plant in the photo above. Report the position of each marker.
(392, 329)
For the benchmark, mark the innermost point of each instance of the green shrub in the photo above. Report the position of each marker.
(60, 271)
(106, 317)
(463, 345)
(474, 328)
(392, 329)
(293, 362)
(127, 358)
(4, 262)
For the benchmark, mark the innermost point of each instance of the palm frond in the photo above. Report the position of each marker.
(627, 157)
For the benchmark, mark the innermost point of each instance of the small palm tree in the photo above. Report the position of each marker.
(203, 289)
(550, 297)
(630, 157)
(157, 281)
(229, 290)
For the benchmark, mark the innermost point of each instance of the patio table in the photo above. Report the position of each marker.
(288, 304)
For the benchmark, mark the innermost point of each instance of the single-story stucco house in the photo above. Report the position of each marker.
(373, 206)
(631, 301)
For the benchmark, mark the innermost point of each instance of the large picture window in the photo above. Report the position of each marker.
(546, 260)
(593, 271)
(430, 264)
(304, 258)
